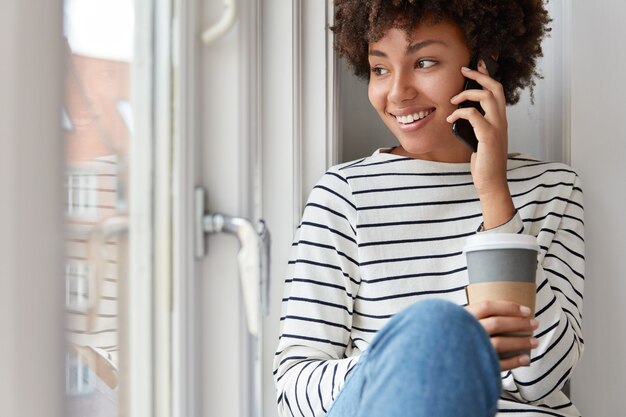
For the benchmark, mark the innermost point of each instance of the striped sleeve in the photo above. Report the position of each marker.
(515, 225)
(322, 280)
(560, 279)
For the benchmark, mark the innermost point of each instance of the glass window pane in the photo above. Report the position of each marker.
(97, 117)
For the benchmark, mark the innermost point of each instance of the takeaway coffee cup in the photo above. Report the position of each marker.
(502, 266)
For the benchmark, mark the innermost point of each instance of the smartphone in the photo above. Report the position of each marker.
(462, 128)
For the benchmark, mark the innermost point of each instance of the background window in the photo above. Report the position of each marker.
(78, 378)
(82, 195)
(76, 286)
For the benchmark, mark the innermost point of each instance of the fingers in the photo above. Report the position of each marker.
(504, 345)
(483, 128)
(487, 130)
(490, 308)
(489, 126)
(487, 100)
(497, 317)
(508, 344)
(496, 325)
(500, 319)
(514, 362)
(483, 78)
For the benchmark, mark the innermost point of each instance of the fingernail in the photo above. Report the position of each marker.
(465, 69)
(534, 323)
(534, 342)
(524, 360)
(525, 310)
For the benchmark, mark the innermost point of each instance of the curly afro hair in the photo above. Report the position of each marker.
(513, 29)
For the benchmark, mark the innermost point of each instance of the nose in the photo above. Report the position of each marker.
(403, 87)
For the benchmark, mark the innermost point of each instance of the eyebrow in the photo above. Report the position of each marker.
(410, 49)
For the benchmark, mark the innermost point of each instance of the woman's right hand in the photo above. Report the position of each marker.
(498, 317)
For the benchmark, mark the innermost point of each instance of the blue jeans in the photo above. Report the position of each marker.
(433, 359)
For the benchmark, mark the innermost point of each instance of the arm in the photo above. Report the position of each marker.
(560, 279)
(310, 365)
(489, 174)
(560, 273)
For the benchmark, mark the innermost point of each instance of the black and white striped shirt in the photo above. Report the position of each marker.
(383, 232)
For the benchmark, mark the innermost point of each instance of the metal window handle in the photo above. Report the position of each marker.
(253, 257)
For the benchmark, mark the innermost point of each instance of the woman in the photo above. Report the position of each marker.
(375, 317)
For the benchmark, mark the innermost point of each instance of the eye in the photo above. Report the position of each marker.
(379, 71)
(425, 63)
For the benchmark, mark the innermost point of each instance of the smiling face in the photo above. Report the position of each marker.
(411, 83)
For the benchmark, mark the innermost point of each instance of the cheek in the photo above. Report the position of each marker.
(442, 90)
(457, 82)
(376, 97)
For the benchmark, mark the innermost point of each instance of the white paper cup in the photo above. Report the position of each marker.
(502, 266)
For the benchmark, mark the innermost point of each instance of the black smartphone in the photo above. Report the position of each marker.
(462, 128)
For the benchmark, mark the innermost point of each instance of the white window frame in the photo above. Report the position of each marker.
(145, 344)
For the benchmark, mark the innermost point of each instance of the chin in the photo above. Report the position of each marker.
(420, 147)
(444, 150)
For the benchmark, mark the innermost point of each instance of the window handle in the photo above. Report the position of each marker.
(253, 257)
(221, 27)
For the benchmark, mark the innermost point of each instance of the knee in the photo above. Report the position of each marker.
(431, 322)
(436, 340)
(434, 307)
(436, 316)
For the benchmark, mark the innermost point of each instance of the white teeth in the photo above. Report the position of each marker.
(412, 117)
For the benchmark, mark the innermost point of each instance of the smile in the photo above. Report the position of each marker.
(411, 118)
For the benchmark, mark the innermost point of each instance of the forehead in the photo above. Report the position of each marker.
(445, 32)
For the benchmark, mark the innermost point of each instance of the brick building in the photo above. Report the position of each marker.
(97, 123)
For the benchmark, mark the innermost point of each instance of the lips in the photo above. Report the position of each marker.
(407, 118)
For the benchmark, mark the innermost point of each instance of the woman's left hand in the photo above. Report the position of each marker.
(488, 163)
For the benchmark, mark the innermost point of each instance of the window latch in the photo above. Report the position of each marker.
(253, 258)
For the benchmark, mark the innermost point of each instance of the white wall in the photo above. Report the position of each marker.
(31, 169)
(599, 155)
(361, 129)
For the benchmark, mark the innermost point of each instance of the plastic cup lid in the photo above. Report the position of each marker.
(490, 241)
